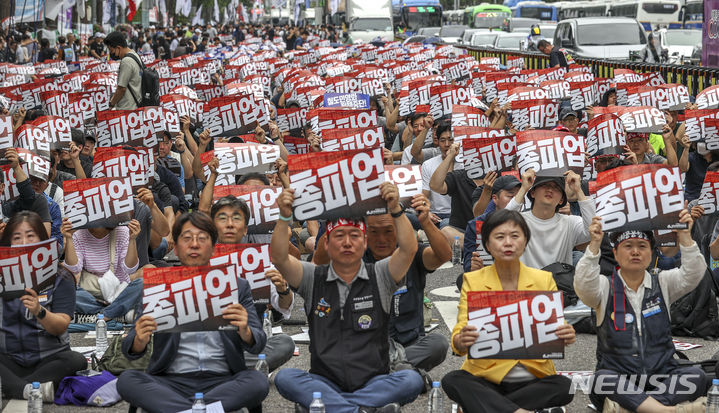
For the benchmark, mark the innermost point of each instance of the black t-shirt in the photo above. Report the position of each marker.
(97, 47)
(86, 166)
(556, 57)
(460, 188)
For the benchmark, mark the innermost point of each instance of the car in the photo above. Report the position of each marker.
(522, 24)
(467, 35)
(509, 41)
(548, 30)
(600, 37)
(680, 43)
(483, 39)
(429, 31)
(452, 33)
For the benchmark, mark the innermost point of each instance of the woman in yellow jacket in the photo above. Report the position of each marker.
(494, 385)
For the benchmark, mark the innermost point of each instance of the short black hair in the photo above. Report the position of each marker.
(417, 115)
(502, 216)
(115, 39)
(442, 127)
(253, 175)
(78, 137)
(232, 202)
(542, 44)
(198, 219)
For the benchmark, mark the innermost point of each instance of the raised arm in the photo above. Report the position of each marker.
(403, 256)
(439, 250)
(527, 182)
(417, 145)
(437, 182)
(197, 162)
(289, 266)
(209, 189)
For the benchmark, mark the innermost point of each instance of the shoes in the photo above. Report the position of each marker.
(422, 236)
(613, 407)
(84, 318)
(300, 408)
(552, 410)
(390, 408)
(697, 406)
(130, 317)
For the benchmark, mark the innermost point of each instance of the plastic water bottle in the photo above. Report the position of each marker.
(199, 405)
(100, 336)
(435, 402)
(317, 406)
(262, 365)
(713, 397)
(456, 252)
(267, 324)
(34, 404)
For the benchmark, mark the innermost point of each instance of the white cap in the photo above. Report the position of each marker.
(100, 35)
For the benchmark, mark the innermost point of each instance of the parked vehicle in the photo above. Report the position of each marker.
(600, 37)
(509, 41)
(414, 14)
(650, 13)
(535, 10)
(484, 39)
(680, 43)
(369, 20)
(452, 33)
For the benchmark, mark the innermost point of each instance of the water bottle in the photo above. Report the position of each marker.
(34, 404)
(713, 397)
(199, 405)
(262, 365)
(267, 324)
(456, 252)
(435, 403)
(100, 336)
(317, 406)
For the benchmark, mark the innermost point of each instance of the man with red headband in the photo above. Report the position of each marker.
(636, 369)
(348, 307)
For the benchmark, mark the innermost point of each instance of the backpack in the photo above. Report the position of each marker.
(563, 275)
(149, 87)
(115, 361)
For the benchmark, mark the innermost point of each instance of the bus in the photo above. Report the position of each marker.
(649, 13)
(535, 10)
(486, 15)
(413, 14)
(576, 9)
(692, 15)
(453, 16)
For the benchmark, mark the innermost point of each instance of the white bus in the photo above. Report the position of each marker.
(649, 13)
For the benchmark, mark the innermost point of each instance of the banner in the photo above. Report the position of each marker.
(183, 106)
(640, 197)
(605, 133)
(292, 121)
(463, 115)
(697, 125)
(123, 162)
(28, 266)
(142, 127)
(332, 118)
(442, 98)
(11, 192)
(352, 138)
(234, 115)
(484, 155)
(708, 198)
(250, 261)
(665, 97)
(346, 100)
(98, 202)
(342, 184)
(408, 179)
(516, 324)
(709, 97)
(7, 138)
(641, 119)
(57, 130)
(583, 94)
(189, 298)
(260, 199)
(537, 114)
(550, 153)
(36, 166)
(241, 158)
(34, 139)
(484, 256)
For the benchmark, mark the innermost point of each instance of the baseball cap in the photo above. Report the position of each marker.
(100, 35)
(567, 112)
(541, 180)
(505, 183)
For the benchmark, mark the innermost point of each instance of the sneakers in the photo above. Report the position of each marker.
(613, 407)
(47, 390)
(390, 408)
(84, 318)
(697, 406)
(552, 410)
(300, 408)
(130, 317)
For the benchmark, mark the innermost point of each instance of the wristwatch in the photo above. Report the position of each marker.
(287, 290)
(397, 214)
(42, 313)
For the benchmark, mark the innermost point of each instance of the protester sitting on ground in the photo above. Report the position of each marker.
(109, 253)
(441, 203)
(498, 386)
(639, 144)
(562, 232)
(348, 308)
(406, 324)
(211, 362)
(34, 343)
(618, 300)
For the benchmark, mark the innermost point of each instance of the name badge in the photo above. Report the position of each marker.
(363, 305)
(651, 311)
(42, 298)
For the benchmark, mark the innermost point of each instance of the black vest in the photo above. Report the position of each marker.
(620, 347)
(348, 345)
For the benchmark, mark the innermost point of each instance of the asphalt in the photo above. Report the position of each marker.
(440, 289)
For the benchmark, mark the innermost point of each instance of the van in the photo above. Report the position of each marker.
(600, 37)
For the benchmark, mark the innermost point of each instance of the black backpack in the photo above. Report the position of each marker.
(149, 87)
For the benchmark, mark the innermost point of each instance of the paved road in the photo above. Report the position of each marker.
(440, 288)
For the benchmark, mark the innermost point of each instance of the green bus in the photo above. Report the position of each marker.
(486, 16)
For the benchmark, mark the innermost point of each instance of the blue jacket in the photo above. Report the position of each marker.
(165, 345)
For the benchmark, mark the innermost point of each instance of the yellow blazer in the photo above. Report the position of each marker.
(486, 279)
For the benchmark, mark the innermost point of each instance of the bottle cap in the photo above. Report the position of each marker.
(456, 237)
(101, 316)
(715, 382)
(262, 356)
(199, 395)
(435, 384)
(316, 395)
(36, 385)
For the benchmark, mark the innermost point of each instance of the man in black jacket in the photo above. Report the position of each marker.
(211, 362)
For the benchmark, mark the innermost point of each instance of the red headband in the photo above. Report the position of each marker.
(342, 222)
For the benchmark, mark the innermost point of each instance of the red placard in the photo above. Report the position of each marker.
(28, 266)
(550, 153)
(250, 261)
(352, 138)
(260, 199)
(98, 202)
(538, 114)
(491, 154)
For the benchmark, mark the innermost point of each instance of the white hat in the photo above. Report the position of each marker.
(100, 35)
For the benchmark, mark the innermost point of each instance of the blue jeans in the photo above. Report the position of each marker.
(129, 298)
(400, 387)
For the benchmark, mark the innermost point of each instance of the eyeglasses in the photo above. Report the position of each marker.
(187, 238)
(222, 218)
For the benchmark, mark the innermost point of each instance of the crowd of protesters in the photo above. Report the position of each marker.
(362, 279)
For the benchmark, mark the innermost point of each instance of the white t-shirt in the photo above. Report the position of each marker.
(440, 204)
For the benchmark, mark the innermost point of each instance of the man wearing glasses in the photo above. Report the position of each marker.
(212, 362)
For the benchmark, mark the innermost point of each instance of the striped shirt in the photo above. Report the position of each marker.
(93, 254)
